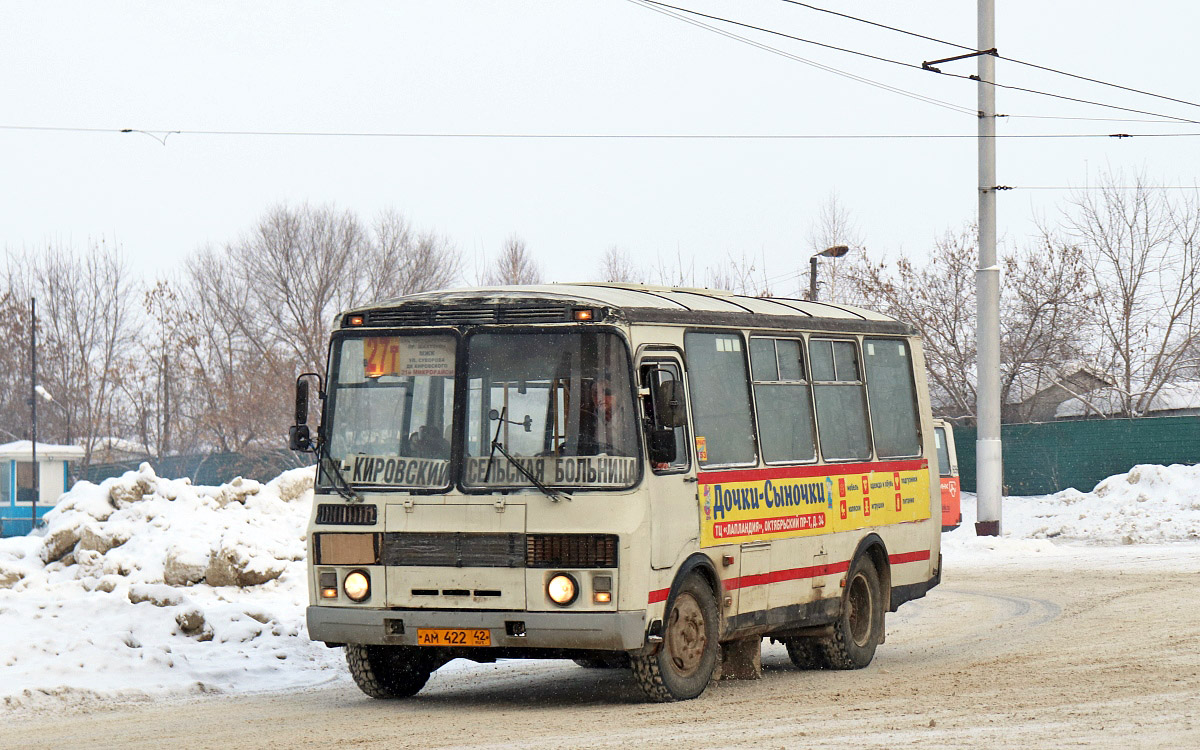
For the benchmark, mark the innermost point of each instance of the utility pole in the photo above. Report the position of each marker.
(33, 397)
(988, 459)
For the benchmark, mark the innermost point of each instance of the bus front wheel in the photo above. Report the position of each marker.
(389, 671)
(684, 663)
(859, 627)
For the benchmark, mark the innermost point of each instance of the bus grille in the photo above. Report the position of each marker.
(571, 551)
(467, 550)
(346, 515)
(453, 550)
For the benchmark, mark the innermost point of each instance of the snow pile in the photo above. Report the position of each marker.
(143, 586)
(1148, 505)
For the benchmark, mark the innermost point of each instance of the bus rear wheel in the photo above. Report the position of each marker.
(389, 671)
(806, 653)
(685, 661)
(859, 627)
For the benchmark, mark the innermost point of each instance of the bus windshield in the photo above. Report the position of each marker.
(560, 404)
(391, 407)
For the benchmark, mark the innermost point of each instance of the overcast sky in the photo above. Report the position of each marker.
(562, 67)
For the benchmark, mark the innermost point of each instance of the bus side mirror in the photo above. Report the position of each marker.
(301, 402)
(669, 411)
(299, 436)
(661, 444)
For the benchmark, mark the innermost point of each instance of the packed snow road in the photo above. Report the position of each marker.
(1068, 646)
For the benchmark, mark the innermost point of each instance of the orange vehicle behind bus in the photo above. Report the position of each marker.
(948, 471)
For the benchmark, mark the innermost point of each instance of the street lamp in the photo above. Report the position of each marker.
(836, 251)
(45, 394)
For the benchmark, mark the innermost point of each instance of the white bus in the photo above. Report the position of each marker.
(622, 475)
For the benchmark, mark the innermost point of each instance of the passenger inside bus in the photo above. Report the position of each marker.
(427, 442)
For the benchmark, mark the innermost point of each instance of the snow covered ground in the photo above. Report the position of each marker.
(143, 587)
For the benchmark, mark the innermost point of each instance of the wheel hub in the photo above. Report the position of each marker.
(686, 636)
(859, 602)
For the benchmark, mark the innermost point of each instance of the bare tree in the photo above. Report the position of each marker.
(404, 261)
(740, 274)
(939, 301)
(237, 380)
(834, 226)
(617, 265)
(514, 265)
(86, 323)
(1142, 252)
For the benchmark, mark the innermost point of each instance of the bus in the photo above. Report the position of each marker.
(948, 475)
(629, 476)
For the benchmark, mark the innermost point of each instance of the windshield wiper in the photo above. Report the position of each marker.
(496, 446)
(340, 485)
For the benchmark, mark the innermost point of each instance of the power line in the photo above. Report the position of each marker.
(999, 57)
(160, 134)
(775, 50)
(914, 66)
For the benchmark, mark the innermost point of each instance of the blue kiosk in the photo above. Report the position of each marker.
(16, 482)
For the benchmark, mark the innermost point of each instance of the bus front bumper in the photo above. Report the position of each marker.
(608, 631)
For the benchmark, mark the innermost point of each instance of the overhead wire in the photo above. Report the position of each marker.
(998, 56)
(587, 136)
(783, 53)
(1064, 97)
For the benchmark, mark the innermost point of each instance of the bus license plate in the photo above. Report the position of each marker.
(454, 637)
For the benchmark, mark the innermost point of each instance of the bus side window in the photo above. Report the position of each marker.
(720, 395)
(782, 400)
(841, 402)
(893, 398)
(654, 373)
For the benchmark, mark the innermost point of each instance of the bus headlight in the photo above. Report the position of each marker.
(562, 589)
(357, 586)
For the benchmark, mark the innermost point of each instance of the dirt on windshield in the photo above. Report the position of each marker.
(1004, 657)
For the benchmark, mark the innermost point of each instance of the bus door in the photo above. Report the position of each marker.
(671, 481)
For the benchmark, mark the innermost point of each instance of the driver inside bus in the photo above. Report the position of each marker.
(603, 423)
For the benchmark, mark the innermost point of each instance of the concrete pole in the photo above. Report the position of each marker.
(988, 461)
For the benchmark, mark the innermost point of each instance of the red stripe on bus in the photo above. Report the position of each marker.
(779, 576)
(796, 574)
(907, 557)
(801, 472)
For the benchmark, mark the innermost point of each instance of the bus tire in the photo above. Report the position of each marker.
(604, 661)
(684, 663)
(388, 671)
(806, 653)
(859, 627)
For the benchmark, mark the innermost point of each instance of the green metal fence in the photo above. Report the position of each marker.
(1045, 457)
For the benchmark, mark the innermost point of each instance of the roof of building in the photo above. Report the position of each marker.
(22, 450)
(1171, 397)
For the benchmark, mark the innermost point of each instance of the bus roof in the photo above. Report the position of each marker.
(644, 303)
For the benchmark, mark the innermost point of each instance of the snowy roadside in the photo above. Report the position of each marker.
(111, 603)
(144, 588)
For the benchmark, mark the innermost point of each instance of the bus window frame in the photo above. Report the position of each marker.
(331, 398)
(800, 336)
(741, 333)
(856, 340)
(912, 373)
(458, 445)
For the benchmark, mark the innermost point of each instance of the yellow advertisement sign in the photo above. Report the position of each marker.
(746, 505)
